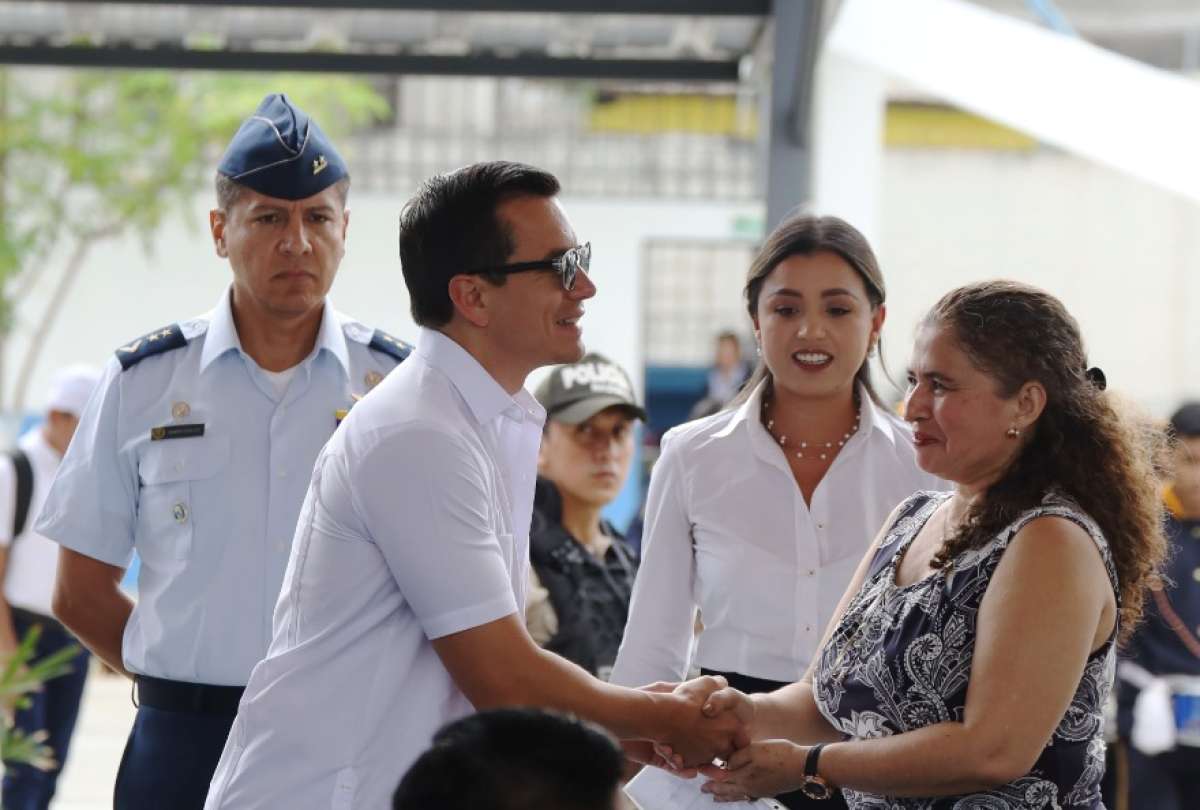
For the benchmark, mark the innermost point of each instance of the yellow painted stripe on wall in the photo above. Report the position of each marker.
(906, 125)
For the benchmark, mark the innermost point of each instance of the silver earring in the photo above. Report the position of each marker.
(1012, 433)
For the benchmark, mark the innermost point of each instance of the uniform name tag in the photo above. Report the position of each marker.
(175, 432)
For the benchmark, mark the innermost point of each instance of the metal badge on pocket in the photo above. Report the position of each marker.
(157, 434)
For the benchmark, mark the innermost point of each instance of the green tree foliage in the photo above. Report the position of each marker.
(87, 156)
(20, 676)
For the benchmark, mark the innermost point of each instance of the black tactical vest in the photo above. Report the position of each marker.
(589, 597)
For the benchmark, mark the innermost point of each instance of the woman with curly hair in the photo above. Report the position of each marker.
(969, 661)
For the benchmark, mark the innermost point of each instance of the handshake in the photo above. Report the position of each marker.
(698, 721)
(709, 730)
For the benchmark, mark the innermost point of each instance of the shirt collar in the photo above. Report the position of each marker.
(872, 417)
(221, 335)
(486, 398)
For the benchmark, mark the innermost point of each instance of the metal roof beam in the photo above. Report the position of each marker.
(691, 8)
(531, 66)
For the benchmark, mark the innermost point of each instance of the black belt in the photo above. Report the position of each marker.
(194, 698)
(32, 617)
(747, 684)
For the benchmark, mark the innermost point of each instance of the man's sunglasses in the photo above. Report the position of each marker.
(566, 265)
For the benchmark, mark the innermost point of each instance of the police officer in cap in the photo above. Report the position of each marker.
(196, 451)
(582, 568)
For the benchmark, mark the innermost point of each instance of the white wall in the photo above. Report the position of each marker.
(1123, 256)
(123, 293)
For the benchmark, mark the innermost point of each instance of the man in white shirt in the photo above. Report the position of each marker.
(402, 604)
(28, 562)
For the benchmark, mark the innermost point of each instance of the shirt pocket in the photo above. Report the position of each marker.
(168, 470)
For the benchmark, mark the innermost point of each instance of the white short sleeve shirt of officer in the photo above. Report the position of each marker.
(32, 558)
(416, 526)
(211, 516)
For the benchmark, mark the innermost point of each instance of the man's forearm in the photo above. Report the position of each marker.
(8, 632)
(552, 682)
(98, 620)
(533, 677)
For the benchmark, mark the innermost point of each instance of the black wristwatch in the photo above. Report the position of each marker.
(814, 786)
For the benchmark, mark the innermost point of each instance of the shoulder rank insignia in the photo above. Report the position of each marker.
(381, 341)
(157, 342)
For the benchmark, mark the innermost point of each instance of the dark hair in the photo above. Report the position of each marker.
(1081, 446)
(514, 759)
(451, 227)
(805, 235)
(229, 191)
(1185, 422)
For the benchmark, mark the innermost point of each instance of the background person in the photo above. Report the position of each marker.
(515, 759)
(972, 654)
(196, 451)
(27, 566)
(757, 515)
(729, 371)
(1158, 689)
(582, 568)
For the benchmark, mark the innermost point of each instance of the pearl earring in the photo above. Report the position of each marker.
(1012, 433)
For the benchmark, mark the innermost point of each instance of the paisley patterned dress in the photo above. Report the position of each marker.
(900, 659)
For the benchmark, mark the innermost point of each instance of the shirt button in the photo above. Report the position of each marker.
(811, 572)
(808, 628)
(820, 525)
(179, 510)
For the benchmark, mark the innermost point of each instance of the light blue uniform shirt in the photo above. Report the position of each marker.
(211, 516)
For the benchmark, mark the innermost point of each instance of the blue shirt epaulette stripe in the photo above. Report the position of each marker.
(381, 341)
(157, 342)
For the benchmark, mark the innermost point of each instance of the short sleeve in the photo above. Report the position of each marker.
(91, 505)
(8, 498)
(424, 497)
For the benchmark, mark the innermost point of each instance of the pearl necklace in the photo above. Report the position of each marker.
(822, 450)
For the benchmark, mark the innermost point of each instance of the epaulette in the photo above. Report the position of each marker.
(157, 342)
(381, 341)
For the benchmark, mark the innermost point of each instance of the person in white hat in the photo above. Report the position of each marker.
(27, 565)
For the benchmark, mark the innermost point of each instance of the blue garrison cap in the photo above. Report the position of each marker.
(281, 152)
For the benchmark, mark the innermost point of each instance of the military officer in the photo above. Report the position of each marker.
(196, 451)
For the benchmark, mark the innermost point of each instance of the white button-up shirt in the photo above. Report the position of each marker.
(416, 526)
(211, 516)
(727, 530)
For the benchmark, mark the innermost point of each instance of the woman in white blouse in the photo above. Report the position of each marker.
(758, 515)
